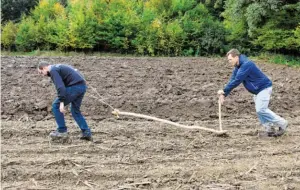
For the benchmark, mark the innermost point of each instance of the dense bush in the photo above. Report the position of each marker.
(8, 34)
(268, 25)
(156, 27)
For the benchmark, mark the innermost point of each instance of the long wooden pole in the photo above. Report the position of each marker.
(220, 117)
(117, 113)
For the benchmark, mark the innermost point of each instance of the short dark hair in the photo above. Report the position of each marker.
(43, 64)
(233, 53)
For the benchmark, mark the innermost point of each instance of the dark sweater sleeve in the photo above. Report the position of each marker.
(241, 74)
(59, 85)
(231, 79)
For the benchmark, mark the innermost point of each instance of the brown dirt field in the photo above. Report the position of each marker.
(131, 153)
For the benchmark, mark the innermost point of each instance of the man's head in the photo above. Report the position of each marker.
(43, 68)
(233, 57)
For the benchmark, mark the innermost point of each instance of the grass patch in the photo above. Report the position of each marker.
(62, 53)
(82, 54)
(281, 59)
(266, 57)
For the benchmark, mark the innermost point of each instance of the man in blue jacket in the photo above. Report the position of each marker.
(71, 87)
(257, 83)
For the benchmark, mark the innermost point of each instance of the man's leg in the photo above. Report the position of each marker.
(76, 113)
(59, 117)
(75, 95)
(260, 118)
(268, 118)
(61, 131)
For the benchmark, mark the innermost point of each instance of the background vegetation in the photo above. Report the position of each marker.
(152, 27)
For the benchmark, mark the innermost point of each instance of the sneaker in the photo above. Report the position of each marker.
(87, 137)
(271, 134)
(270, 130)
(266, 134)
(58, 135)
(282, 129)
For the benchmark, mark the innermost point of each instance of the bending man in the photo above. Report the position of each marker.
(71, 87)
(256, 82)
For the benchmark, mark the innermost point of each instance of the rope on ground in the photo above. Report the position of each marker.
(117, 113)
(99, 97)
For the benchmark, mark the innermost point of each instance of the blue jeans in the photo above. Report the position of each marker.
(74, 95)
(266, 117)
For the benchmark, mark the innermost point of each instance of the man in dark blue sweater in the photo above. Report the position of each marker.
(71, 87)
(257, 83)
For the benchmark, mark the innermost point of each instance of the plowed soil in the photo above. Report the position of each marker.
(133, 153)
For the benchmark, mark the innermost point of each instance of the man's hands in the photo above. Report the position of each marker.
(221, 96)
(62, 107)
(220, 92)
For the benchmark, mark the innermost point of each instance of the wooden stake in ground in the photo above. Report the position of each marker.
(220, 117)
(117, 113)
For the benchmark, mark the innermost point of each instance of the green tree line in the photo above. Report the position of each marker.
(152, 27)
